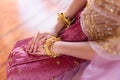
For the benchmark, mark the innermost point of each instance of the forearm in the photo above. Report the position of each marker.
(58, 27)
(75, 49)
(75, 7)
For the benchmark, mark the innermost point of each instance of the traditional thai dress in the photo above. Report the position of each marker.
(100, 21)
(23, 66)
(100, 26)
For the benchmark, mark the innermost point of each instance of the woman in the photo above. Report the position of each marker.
(100, 22)
(25, 61)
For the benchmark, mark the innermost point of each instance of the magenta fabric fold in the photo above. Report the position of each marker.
(23, 66)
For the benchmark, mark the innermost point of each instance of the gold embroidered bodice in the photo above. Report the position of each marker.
(100, 27)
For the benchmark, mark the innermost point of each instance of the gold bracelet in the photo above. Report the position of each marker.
(48, 45)
(54, 55)
(64, 19)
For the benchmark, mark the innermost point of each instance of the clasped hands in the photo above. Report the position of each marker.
(36, 45)
(43, 45)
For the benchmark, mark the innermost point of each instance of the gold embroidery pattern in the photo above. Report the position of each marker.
(108, 8)
(103, 30)
(99, 27)
(112, 6)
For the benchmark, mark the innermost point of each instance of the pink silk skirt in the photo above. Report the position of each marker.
(23, 66)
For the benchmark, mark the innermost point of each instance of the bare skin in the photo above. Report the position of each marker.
(80, 49)
(76, 49)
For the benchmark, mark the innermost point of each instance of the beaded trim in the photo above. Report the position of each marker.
(109, 8)
(101, 29)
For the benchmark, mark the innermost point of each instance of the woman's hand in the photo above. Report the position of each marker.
(36, 42)
(39, 40)
(40, 50)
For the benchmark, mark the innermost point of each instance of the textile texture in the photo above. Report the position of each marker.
(23, 66)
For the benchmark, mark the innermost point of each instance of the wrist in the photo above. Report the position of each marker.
(49, 46)
(64, 19)
(69, 16)
(58, 27)
(56, 47)
(54, 34)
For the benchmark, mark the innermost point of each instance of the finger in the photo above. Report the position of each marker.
(43, 52)
(48, 36)
(43, 35)
(29, 44)
(35, 47)
(43, 40)
(39, 35)
(37, 40)
(41, 44)
(40, 50)
(25, 47)
(40, 53)
(35, 44)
